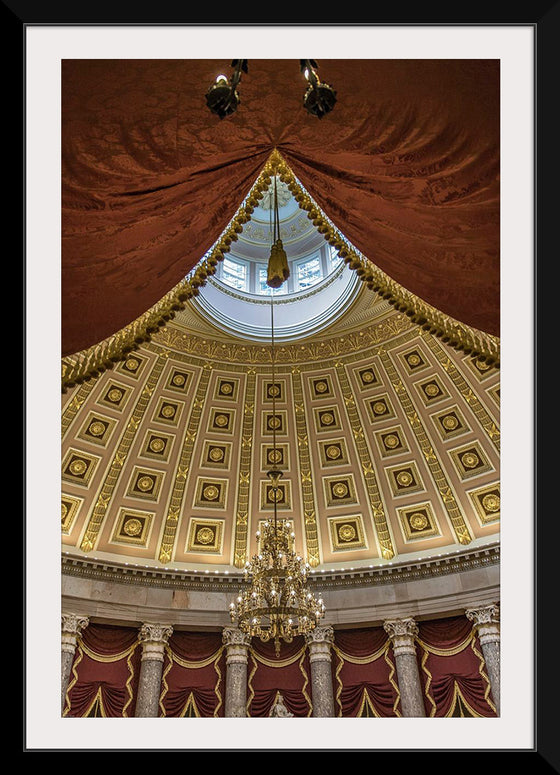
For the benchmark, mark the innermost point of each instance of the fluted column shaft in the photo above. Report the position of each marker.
(486, 623)
(154, 638)
(72, 625)
(319, 642)
(403, 633)
(237, 654)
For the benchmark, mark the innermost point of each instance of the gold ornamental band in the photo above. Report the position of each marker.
(89, 363)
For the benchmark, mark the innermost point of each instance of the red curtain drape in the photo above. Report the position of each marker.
(452, 669)
(364, 680)
(287, 673)
(193, 677)
(105, 672)
(406, 166)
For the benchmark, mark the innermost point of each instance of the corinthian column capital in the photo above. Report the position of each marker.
(237, 644)
(486, 620)
(320, 641)
(232, 636)
(486, 614)
(320, 635)
(402, 633)
(72, 625)
(154, 638)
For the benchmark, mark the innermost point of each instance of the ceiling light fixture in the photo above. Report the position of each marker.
(278, 269)
(222, 97)
(320, 98)
(277, 604)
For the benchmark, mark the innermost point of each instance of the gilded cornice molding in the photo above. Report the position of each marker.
(228, 583)
(309, 350)
(88, 364)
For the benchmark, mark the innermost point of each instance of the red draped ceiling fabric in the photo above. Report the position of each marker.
(193, 677)
(105, 672)
(287, 673)
(452, 669)
(365, 677)
(406, 166)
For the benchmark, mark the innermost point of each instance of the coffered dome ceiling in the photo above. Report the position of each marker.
(387, 422)
(387, 437)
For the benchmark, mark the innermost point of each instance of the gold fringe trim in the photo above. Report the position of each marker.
(191, 665)
(457, 335)
(195, 664)
(366, 701)
(89, 363)
(382, 652)
(278, 662)
(483, 675)
(470, 640)
(360, 660)
(164, 684)
(129, 681)
(425, 656)
(190, 703)
(97, 699)
(305, 683)
(255, 658)
(113, 658)
(218, 684)
(250, 690)
(83, 649)
(77, 660)
(392, 681)
(445, 652)
(457, 693)
(338, 680)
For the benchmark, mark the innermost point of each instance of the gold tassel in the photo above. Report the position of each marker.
(278, 269)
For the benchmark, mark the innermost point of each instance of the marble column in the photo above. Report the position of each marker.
(72, 625)
(319, 642)
(487, 627)
(154, 638)
(237, 655)
(402, 633)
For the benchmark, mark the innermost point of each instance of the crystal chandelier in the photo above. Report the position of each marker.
(277, 604)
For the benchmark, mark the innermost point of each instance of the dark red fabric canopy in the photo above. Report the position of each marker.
(406, 166)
